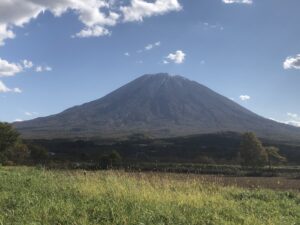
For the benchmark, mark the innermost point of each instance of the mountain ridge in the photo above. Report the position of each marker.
(160, 105)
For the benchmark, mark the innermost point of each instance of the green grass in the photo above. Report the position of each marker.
(31, 196)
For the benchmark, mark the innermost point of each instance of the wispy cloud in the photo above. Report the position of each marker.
(151, 46)
(237, 1)
(30, 113)
(245, 97)
(5, 33)
(40, 69)
(27, 64)
(293, 123)
(147, 48)
(292, 115)
(293, 119)
(5, 89)
(212, 26)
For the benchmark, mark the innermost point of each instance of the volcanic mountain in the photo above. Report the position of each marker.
(159, 105)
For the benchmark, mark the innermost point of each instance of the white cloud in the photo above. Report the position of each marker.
(95, 31)
(5, 34)
(18, 120)
(245, 97)
(39, 69)
(292, 115)
(293, 123)
(48, 68)
(4, 89)
(16, 90)
(292, 62)
(127, 54)
(139, 9)
(30, 113)
(92, 13)
(295, 119)
(178, 57)
(27, 64)
(9, 69)
(212, 26)
(95, 15)
(238, 1)
(151, 46)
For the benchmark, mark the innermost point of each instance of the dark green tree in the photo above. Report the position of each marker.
(110, 160)
(115, 157)
(19, 153)
(274, 156)
(252, 152)
(11, 146)
(38, 154)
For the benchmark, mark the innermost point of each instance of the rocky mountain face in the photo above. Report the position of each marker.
(159, 105)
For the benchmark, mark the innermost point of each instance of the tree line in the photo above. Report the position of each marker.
(13, 150)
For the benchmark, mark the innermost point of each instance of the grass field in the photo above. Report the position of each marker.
(30, 196)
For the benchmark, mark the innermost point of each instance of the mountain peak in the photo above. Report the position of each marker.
(163, 75)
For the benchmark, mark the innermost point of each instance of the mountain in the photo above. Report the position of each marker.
(159, 105)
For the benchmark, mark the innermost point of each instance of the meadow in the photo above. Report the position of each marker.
(35, 196)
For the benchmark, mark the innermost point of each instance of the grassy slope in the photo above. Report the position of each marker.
(31, 197)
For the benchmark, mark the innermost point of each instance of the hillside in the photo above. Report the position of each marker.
(159, 105)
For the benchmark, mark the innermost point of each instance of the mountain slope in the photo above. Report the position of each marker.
(160, 105)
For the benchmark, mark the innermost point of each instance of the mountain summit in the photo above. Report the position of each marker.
(160, 105)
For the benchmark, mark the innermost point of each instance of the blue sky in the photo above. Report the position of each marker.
(55, 54)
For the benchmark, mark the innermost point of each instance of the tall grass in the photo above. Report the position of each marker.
(31, 196)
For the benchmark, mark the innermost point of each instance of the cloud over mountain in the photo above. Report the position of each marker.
(177, 57)
(245, 97)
